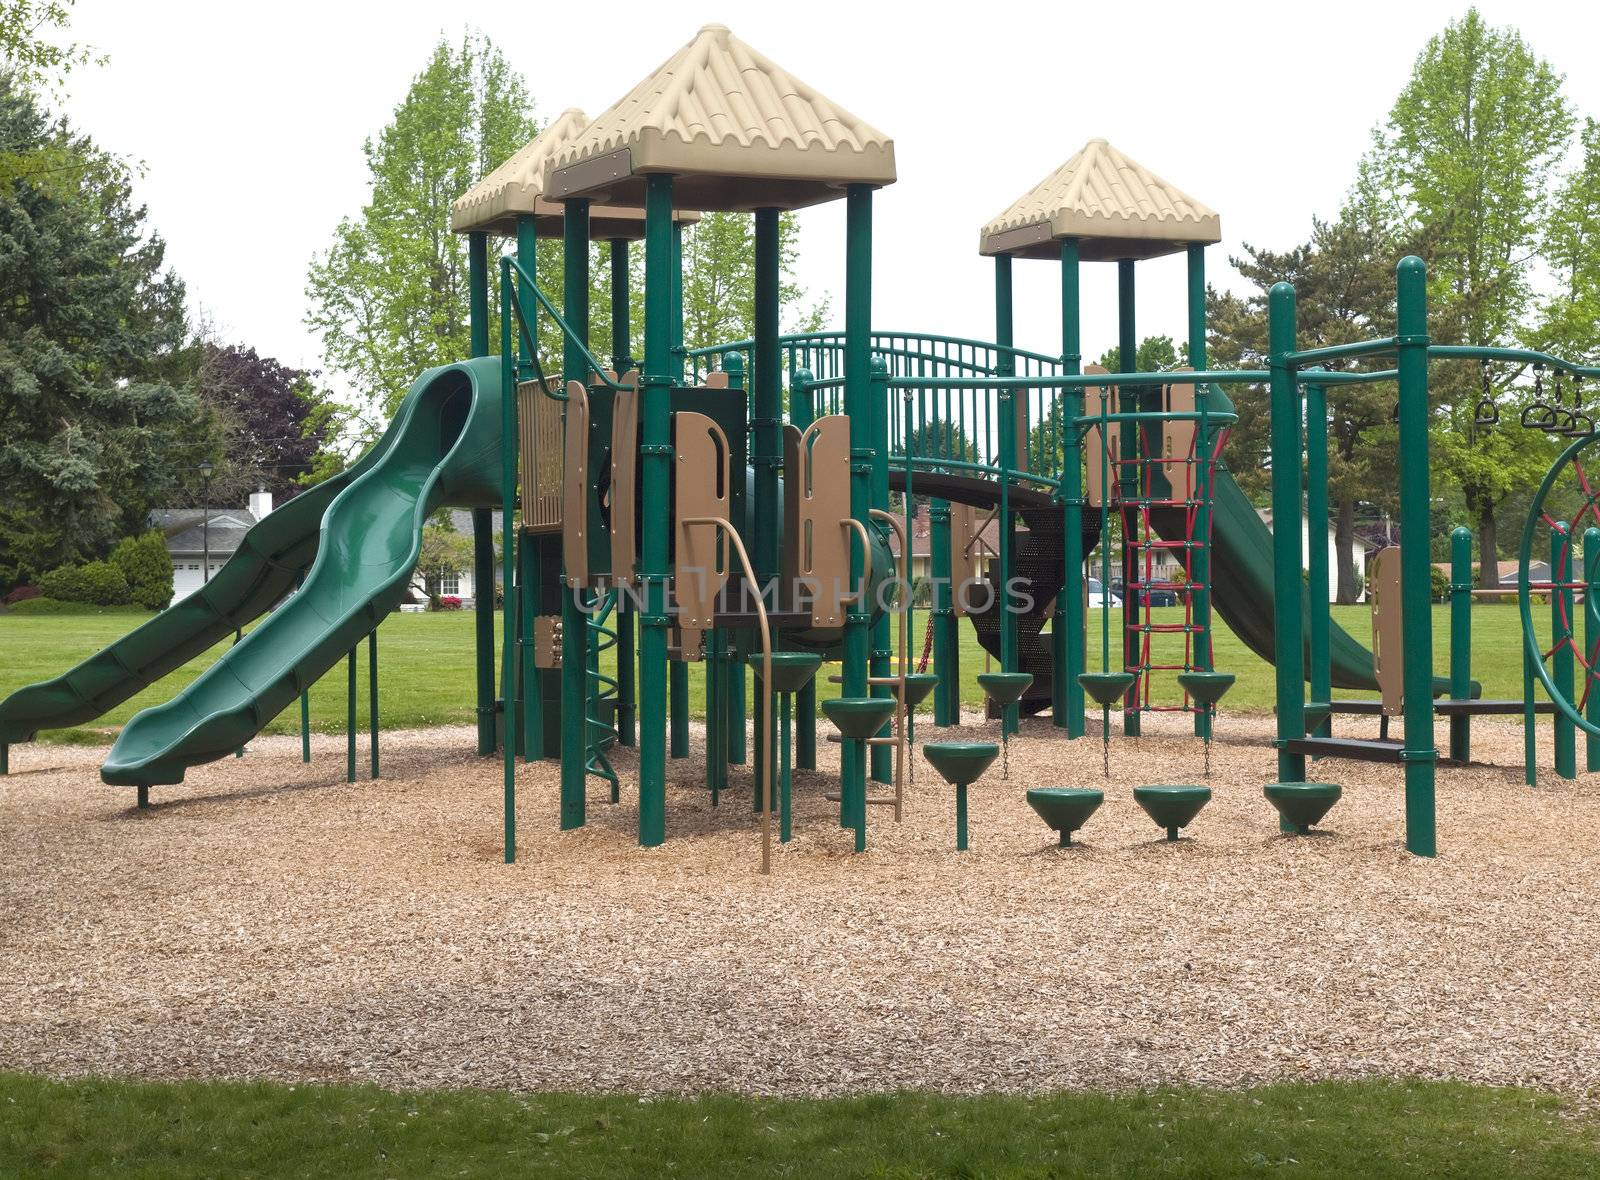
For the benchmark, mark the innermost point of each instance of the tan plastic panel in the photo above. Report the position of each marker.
(1388, 637)
(575, 487)
(700, 456)
(1177, 440)
(539, 428)
(965, 558)
(624, 479)
(817, 545)
(1093, 460)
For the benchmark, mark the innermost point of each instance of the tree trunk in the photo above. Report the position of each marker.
(1344, 535)
(1488, 549)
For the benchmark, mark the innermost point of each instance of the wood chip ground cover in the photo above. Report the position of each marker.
(268, 920)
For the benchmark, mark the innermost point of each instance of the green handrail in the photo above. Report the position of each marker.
(1527, 356)
(508, 265)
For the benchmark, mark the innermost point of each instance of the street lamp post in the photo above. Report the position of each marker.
(205, 526)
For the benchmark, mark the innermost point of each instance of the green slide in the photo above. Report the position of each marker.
(273, 554)
(1241, 586)
(443, 447)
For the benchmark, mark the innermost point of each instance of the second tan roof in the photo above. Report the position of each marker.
(1114, 206)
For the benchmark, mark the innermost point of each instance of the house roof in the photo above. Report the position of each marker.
(187, 529)
(516, 188)
(1116, 208)
(737, 130)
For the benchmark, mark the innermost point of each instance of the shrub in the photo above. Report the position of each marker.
(97, 582)
(20, 594)
(53, 606)
(449, 602)
(1438, 583)
(147, 566)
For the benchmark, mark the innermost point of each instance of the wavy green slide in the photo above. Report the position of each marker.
(272, 555)
(1242, 592)
(443, 447)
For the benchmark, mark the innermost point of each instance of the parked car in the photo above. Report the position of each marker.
(1161, 597)
(1097, 596)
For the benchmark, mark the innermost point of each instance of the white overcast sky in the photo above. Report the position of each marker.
(249, 120)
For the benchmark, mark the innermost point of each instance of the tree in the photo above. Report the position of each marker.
(1467, 157)
(444, 550)
(275, 421)
(1344, 284)
(93, 430)
(719, 280)
(26, 51)
(1569, 321)
(389, 297)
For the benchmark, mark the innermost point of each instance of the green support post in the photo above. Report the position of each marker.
(482, 521)
(350, 722)
(802, 412)
(678, 670)
(766, 437)
(1591, 640)
(1317, 576)
(1071, 647)
(735, 692)
(539, 695)
(1461, 638)
(5, 757)
(655, 451)
(857, 403)
(574, 620)
(881, 662)
(1416, 613)
(372, 697)
(946, 649)
(1286, 563)
(1561, 632)
(1006, 409)
(1200, 561)
(621, 361)
(508, 621)
(305, 725)
(1127, 479)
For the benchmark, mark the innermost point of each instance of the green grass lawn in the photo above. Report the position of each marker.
(1371, 1129)
(427, 665)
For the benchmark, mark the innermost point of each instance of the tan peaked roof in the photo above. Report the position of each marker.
(515, 189)
(738, 130)
(1114, 206)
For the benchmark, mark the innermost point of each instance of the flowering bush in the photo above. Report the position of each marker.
(449, 602)
(21, 594)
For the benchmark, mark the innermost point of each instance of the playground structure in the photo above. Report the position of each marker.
(667, 509)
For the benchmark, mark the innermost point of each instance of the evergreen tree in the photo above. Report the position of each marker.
(94, 431)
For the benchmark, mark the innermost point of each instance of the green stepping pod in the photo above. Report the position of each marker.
(791, 670)
(1303, 804)
(1172, 805)
(1065, 809)
(1004, 688)
(918, 686)
(961, 764)
(1106, 688)
(859, 717)
(1206, 688)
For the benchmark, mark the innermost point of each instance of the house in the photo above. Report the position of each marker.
(457, 583)
(1364, 548)
(194, 534)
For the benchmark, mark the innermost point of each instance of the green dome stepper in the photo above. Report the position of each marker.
(961, 764)
(1303, 804)
(859, 717)
(918, 686)
(1206, 688)
(1106, 688)
(1172, 805)
(1004, 688)
(791, 670)
(1065, 809)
